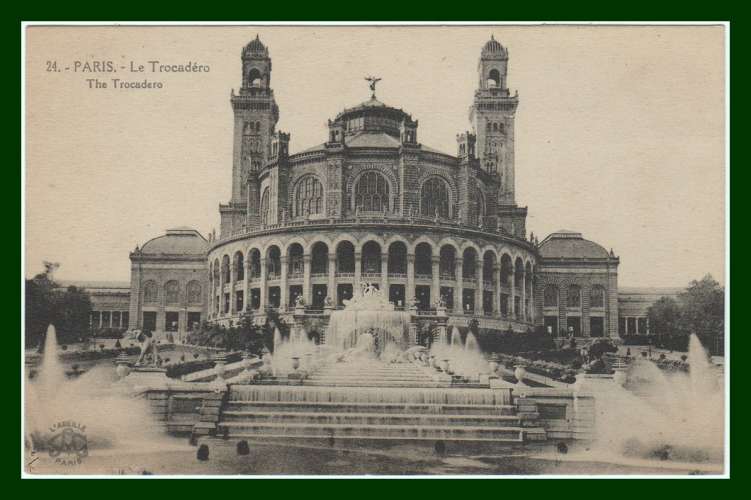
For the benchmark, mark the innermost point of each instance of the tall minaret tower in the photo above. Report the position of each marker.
(256, 115)
(492, 118)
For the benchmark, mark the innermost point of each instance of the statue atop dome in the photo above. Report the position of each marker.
(372, 81)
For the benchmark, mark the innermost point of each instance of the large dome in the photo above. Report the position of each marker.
(571, 245)
(183, 240)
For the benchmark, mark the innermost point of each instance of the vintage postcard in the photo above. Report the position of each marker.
(359, 249)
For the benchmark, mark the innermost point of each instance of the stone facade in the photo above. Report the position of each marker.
(436, 231)
(110, 303)
(169, 283)
(577, 287)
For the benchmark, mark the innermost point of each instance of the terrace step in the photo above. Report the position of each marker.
(352, 407)
(311, 430)
(362, 418)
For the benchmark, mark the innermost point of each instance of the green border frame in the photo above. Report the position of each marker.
(393, 11)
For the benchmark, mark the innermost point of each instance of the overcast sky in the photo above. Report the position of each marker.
(619, 131)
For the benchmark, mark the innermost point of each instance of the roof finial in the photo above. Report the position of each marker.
(492, 37)
(372, 80)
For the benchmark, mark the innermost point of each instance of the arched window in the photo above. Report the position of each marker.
(573, 296)
(494, 78)
(597, 296)
(434, 198)
(447, 266)
(274, 262)
(371, 258)
(239, 262)
(194, 292)
(550, 296)
(216, 273)
(480, 218)
(265, 206)
(172, 292)
(225, 270)
(397, 258)
(150, 293)
(372, 193)
(308, 196)
(254, 78)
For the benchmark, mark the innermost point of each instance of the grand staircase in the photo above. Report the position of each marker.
(369, 403)
(372, 373)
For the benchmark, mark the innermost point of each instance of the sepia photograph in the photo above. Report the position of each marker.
(401, 250)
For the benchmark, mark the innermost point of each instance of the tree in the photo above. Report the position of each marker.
(703, 308)
(664, 317)
(46, 303)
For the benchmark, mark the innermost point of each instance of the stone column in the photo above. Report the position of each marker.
(410, 292)
(435, 290)
(221, 290)
(479, 288)
(331, 292)
(512, 306)
(210, 298)
(232, 275)
(497, 293)
(458, 291)
(385, 274)
(358, 272)
(524, 295)
(306, 278)
(246, 285)
(283, 288)
(264, 291)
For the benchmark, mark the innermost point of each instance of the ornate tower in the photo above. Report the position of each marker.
(492, 118)
(256, 115)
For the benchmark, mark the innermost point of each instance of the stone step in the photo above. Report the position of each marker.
(460, 444)
(362, 418)
(375, 383)
(360, 376)
(312, 430)
(352, 407)
(375, 394)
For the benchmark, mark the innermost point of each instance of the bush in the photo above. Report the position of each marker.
(244, 337)
(601, 346)
(511, 342)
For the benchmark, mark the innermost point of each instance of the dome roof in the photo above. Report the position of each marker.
(571, 245)
(493, 48)
(178, 241)
(255, 48)
(372, 105)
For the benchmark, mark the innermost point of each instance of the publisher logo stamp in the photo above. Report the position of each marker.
(67, 443)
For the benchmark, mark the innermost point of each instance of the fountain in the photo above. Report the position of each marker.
(465, 358)
(655, 414)
(102, 408)
(369, 312)
(288, 352)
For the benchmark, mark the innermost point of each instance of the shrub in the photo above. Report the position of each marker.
(600, 347)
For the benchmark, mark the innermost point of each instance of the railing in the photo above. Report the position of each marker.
(448, 277)
(319, 275)
(340, 274)
(397, 276)
(376, 218)
(371, 276)
(423, 277)
(469, 281)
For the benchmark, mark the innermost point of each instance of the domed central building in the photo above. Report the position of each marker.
(440, 234)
